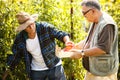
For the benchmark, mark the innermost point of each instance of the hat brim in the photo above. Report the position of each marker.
(27, 23)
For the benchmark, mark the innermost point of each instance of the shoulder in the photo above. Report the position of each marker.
(109, 27)
(20, 37)
(106, 18)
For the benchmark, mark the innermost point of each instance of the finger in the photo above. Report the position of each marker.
(70, 43)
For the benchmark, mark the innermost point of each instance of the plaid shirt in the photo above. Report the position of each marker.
(46, 35)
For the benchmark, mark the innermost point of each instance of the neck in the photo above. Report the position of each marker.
(32, 35)
(98, 17)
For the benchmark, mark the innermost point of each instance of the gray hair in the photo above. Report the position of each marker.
(91, 3)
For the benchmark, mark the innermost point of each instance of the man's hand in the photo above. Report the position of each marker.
(73, 53)
(69, 45)
(76, 54)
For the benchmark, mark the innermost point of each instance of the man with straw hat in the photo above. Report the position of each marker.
(36, 43)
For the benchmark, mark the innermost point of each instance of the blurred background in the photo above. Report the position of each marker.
(64, 14)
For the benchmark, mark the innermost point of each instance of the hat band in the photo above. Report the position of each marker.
(24, 21)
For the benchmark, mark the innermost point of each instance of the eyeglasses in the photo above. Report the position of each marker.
(84, 13)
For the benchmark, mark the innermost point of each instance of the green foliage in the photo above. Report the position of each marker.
(56, 12)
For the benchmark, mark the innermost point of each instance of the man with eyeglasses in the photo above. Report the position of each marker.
(99, 51)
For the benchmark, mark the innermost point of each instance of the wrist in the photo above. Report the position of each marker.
(82, 53)
(66, 39)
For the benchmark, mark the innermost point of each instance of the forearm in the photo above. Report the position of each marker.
(94, 52)
(77, 53)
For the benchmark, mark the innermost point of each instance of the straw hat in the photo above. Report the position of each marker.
(25, 19)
